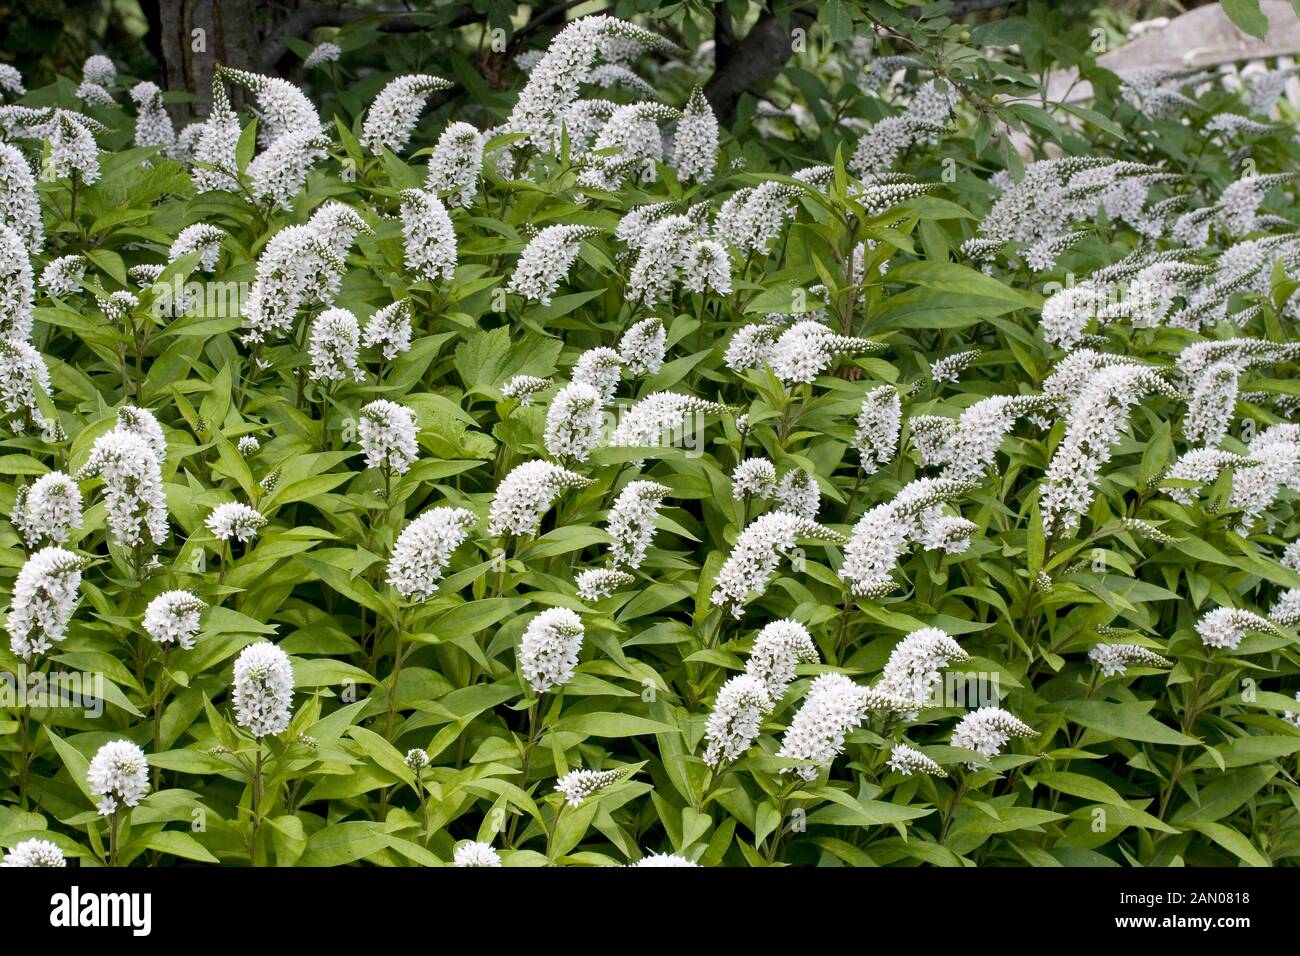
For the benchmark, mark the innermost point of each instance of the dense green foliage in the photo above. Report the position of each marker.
(1191, 763)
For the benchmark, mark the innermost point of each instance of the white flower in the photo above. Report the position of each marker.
(522, 388)
(779, 648)
(92, 94)
(63, 275)
(1067, 313)
(632, 133)
(884, 532)
(663, 258)
(392, 116)
(153, 127)
(429, 234)
(214, 155)
(1114, 659)
(609, 75)
(248, 446)
(655, 419)
(390, 329)
(878, 425)
(930, 433)
(664, 859)
(72, 147)
(737, 715)
(1054, 192)
(602, 368)
(142, 422)
(546, 260)
(133, 486)
(641, 348)
(526, 494)
(1287, 609)
(17, 290)
(44, 597)
(173, 616)
(11, 82)
(337, 225)
(1226, 626)
(19, 209)
(99, 69)
(1293, 718)
(913, 669)
(753, 217)
(145, 275)
(118, 771)
(1238, 205)
(119, 305)
(1200, 465)
(423, 550)
(187, 139)
(198, 238)
(332, 346)
(833, 707)
(631, 521)
(235, 520)
(948, 533)
(473, 853)
(758, 550)
(695, 145)
(1275, 457)
(751, 346)
(280, 171)
(1291, 556)
(297, 268)
(22, 374)
(806, 349)
(925, 117)
(48, 508)
(322, 53)
(387, 433)
(281, 106)
(908, 761)
(583, 120)
(634, 226)
(263, 689)
(34, 853)
(456, 163)
(948, 368)
(987, 731)
(553, 83)
(1095, 421)
(1209, 413)
(971, 448)
(548, 652)
(755, 477)
(578, 785)
(797, 493)
(707, 265)
(573, 422)
(416, 758)
(596, 583)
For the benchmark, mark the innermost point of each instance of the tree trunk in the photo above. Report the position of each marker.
(752, 61)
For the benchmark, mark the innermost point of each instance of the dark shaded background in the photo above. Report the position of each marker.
(153, 39)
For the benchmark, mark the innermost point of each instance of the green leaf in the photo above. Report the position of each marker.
(611, 725)
(1131, 721)
(177, 843)
(1247, 16)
